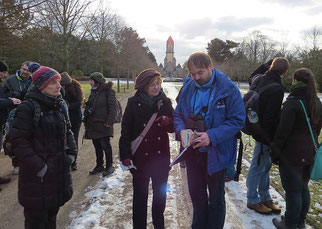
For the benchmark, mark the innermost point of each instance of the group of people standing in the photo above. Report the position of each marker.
(210, 110)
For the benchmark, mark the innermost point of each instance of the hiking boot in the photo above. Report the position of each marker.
(16, 171)
(4, 180)
(259, 208)
(108, 171)
(271, 205)
(279, 223)
(74, 166)
(96, 170)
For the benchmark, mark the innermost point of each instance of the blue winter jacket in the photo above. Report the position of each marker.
(227, 118)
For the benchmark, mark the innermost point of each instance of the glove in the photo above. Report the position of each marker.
(163, 121)
(126, 162)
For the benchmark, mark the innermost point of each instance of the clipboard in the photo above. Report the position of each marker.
(183, 154)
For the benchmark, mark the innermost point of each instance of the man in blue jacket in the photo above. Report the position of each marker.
(211, 109)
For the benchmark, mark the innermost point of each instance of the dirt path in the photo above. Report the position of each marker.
(11, 212)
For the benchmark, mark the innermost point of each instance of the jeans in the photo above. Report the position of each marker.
(40, 218)
(258, 175)
(100, 145)
(140, 198)
(295, 179)
(208, 211)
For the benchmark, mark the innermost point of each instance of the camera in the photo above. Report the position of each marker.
(87, 112)
(196, 123)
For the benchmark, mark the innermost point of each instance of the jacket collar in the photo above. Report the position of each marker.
(275, 76)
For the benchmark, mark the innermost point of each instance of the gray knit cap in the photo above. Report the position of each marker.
(98, 77)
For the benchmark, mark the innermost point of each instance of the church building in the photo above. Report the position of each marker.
(170, 69)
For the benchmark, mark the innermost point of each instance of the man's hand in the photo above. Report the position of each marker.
(200, 139)
(15, 101)
(183, 134)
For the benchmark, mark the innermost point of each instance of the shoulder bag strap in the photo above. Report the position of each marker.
(153, 117)
(308, 123)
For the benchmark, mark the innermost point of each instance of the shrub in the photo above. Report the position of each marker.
(77, 73)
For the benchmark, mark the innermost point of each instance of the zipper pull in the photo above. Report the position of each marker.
(41, 179)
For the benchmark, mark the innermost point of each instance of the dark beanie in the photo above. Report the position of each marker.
(98, 77)
(65, 79)
(145, 77)
(42, 75)
(3, 67)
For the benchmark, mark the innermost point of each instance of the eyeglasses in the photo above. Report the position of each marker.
(157, 84)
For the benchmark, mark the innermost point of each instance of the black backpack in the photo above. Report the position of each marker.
(251, 101)
(37, 113)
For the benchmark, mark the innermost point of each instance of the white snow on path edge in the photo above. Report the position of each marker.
(106, 200)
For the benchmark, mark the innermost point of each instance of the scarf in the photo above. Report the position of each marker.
(151, 101)
(296, 85)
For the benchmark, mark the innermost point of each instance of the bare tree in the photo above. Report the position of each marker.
(103, 28)
(65, 18)
(257, 48)
(314, 37)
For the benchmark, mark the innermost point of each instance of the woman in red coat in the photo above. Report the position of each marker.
(152, 157)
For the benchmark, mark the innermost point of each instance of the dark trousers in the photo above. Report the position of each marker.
(140, 198)
(15, 162)
(75, 129)
(208, 211)
(295, 181)
(100, 145)
(40, 218)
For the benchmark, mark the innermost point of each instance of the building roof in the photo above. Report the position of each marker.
(170, 40)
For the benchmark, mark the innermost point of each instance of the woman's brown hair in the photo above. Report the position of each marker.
(306, 75)
(74, 90)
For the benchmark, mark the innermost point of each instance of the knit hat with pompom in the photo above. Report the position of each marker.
(42, 75)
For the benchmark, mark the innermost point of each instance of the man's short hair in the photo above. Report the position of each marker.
(279, 65)
(200, 60)
(26, 63)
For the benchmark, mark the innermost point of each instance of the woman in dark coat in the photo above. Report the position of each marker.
(152, 157)
(293, 147)
(74, 96)
(45, 147)
(99, 117)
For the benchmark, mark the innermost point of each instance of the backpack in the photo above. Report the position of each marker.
(251, 101)
(6, 143)
(37, 113)
(118, 116)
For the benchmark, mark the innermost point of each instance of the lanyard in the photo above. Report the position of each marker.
(204, 108)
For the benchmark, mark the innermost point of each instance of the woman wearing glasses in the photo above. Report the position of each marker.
(152, 158)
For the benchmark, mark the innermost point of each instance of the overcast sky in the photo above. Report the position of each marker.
(192, 24)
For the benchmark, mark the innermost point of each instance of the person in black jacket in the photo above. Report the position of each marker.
(293, 147)
(152, 157)
(99, 117)
(5, 104)
(45, 149)
(74, 96)
(16, 86)
(270, 101)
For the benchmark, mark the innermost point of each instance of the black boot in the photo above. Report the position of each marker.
(4, 180)
(108, 171)
(279, 223)
(97, 169)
